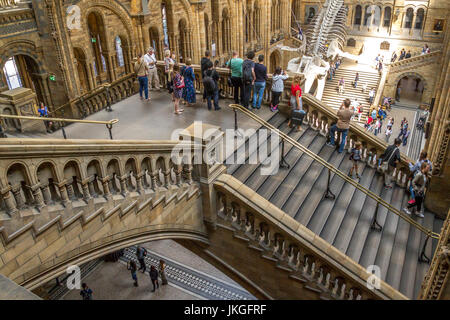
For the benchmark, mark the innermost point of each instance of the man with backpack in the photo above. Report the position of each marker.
(235, 64)
(86, 292)
(210, 79)
(389, 160)
(248, 77)
(141, 253)
(204, 67)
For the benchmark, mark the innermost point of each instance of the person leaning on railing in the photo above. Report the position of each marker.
(141, 69)
(43, 112)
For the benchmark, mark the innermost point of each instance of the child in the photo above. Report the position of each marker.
(355, 157)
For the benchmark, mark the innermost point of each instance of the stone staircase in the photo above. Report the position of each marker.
(345, 222)
(333, 99)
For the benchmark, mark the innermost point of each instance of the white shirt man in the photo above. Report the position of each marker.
(150, 59)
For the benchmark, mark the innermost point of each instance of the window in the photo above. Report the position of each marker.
(387, 17)
(164, 20)
(367, 15)
(409, 18)
(351, 42)
(419, 19)
(119, 52)
(385, 45)
(12, 74)
(103, 63)
(358, 13)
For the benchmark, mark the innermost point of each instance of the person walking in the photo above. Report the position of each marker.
(141, 253)
(405, 137)
(394, 57)
(355, 156)
(154, 278)
(150, 59)
(418, 184)
(162, 268)
(260, 82)
(235, 65)
(297, 112)
(364, 87)
(133, 268)
(388, 133)
(248, 77)
(86, 292)
(415, 168)
(189, 95)
(341, 86)
(210, 83)
(359, 108)
(141, 69)
(344, 115)
(389, 160)
(178, 87)
(355, 83)
(371, 95)
(277, 87)
(203, 65)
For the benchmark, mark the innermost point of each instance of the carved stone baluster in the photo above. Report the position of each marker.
(178, 171)
(106, 191)
(20, 201)
(86, 194)
(188, 173)
(92, 188)
(9, 202)
(123, 185)
(46, 193)
(167, 178)
(153, 177)
(64, 195)
(70, 190)
(38, 198)
(139, 187)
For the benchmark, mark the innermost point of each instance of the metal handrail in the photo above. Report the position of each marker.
(108, 123)
(330, 167)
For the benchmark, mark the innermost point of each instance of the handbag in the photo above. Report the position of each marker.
(385, 164)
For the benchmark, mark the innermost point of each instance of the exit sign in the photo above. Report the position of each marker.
(93, 40)
(52, 77)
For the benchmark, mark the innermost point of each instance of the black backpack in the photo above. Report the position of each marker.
(247, 74)
(208, 83)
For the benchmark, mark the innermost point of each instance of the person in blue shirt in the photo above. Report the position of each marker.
(43, 112)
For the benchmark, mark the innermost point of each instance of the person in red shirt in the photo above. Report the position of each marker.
(296, 104)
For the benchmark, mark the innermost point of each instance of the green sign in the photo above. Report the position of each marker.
(93, 40)
(52, 77)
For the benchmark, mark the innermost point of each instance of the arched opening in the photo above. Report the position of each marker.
(419, 19)
(167, 19)
(358, 15)
(351, 42)
(367, 16)
(119, 52)
(387, 17)
(182, 40)
(275, 61)
(207, 32)
(82, 69)
(295, 15)
(226, 32)
(99, 48)
(23, 71)
(154, 42)
(408, 18)
(385, 45)
(410, 90)
(310, 15)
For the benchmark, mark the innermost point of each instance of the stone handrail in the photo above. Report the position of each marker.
(437, 277)
(8, 4)
(294, 248)
(49, 177)
(418, 58)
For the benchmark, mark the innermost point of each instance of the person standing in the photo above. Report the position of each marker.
(355, 156)
(394, 57)
(406, 136)
(371, 95)
(162, 268)
(189, 94)
(341, 86)
(248, 77)
(415, 168)
(210, 83)
(343, 124)
(140, 254)
(389, 160)
(133, 268)
(277, 87)
(260, 82)
(86, 292)
(204, 63)
(141, 69)
(364, 87)
(235, 64)
(388, 133)
(178, 87)
(168, 69)
(43, 112)
(154, 278)
(418, 184)
(408, 55)
(402, 54)
(355, 83)
(297, 113)
(150, 59)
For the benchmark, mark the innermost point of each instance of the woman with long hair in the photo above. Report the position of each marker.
(141, 69)
(178, 86)
(277, 87)
(189, 79)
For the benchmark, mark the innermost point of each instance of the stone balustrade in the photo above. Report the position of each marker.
(7, 4)
(415, 60)
(50, 177)
(296, 251)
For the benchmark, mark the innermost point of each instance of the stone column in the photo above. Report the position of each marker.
(153, 176)
(64, 195)
(36, 190)
(70, 191)
(106, 190)
(123, 185)
(46, 194)
(92, 188)
(86, 194)
(9, 202)
(139, 187)
(167, 178)
(20, 201)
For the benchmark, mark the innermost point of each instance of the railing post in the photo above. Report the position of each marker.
(236, 130)
(375, 225)
(108, 101)
(283, 162)
(109, 126)
(423, 257)
(63, 131)
(328, 194)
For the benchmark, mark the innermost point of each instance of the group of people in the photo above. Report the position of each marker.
(141, 253)
(407, 54)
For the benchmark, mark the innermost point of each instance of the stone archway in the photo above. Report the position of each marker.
(410, 88)
(274, 61)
